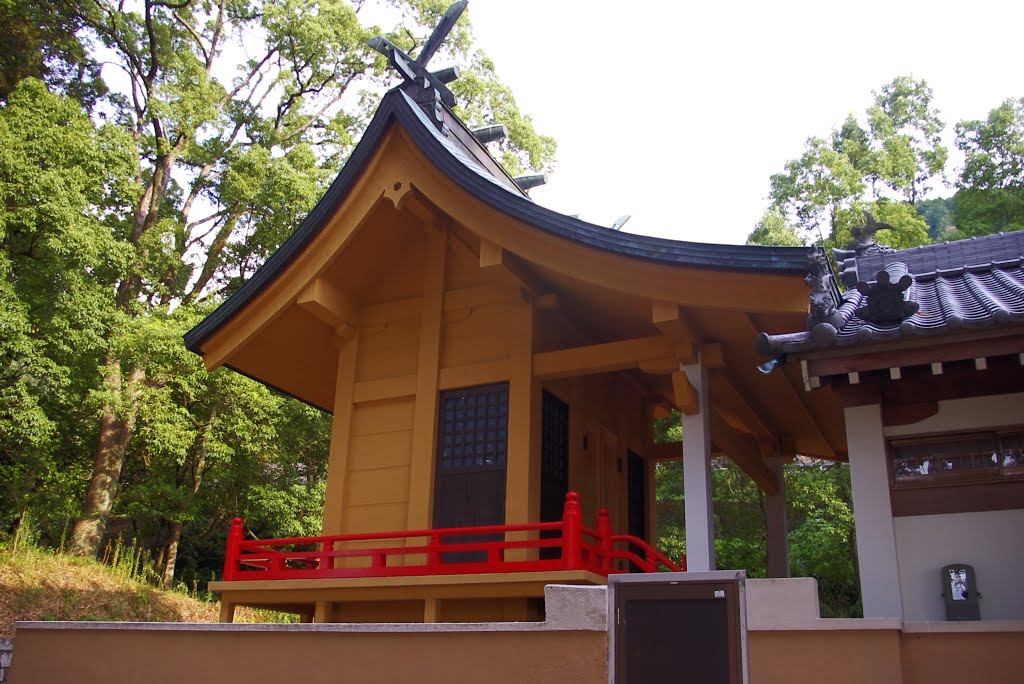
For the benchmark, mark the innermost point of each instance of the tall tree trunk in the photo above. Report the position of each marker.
(171, 555)
(116, 426)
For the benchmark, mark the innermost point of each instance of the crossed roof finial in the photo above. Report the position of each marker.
(425, 87)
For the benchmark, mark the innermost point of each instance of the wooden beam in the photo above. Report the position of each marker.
(726, 395)
(744, 451)
(385, 388)
(667, 451)
(599, 358)
(665, 365)
(784, 387)
(685, 394)
(917, 356)
(548, 302)
(712, 355)
(494, 258)
(330, 305)
(673, 324)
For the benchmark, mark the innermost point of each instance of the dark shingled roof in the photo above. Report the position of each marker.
(972, 283)
(468, 173)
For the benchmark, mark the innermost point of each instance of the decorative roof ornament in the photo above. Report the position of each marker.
(822, 307)
(885, 301)
(426, 88)
(864, 236)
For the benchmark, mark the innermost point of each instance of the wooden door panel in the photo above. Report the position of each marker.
(469, 481)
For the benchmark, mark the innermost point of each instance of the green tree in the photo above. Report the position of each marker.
(38, 40)
(59, 177)
(819, 515)
(938, 214)
(906, 138)
(991, 185)
(819, 190)
(232, 144)
(884, 168)
(772, 230)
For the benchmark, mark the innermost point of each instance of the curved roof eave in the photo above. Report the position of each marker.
(399, 107)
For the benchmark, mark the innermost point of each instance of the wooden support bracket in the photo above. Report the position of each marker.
(685, 394)
(672, 323)
(330, 305)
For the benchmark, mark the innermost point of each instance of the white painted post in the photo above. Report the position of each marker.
(876, 538)
(700, 519)
(778, 526)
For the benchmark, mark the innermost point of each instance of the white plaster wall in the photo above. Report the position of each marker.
(1001, 410)
(991, 541)
(876, 541)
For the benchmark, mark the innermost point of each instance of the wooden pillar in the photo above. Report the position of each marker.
(322, 612)
(431, 610)
(337, 469)
(522, 491)
(421, 471)
(227, 611)
(777, 524)
(700, 519)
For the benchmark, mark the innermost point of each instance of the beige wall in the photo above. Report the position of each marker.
(963, 658)
(98, 656)
(204, 654)
(813, 657)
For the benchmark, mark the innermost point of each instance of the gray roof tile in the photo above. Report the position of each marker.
(973, 283)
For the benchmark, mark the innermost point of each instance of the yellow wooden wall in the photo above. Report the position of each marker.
(435, 320)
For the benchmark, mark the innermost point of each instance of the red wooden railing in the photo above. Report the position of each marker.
(430, 552)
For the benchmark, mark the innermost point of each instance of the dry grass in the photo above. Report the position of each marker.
(40, 585)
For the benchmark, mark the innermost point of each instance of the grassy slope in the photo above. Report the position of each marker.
(39, 585)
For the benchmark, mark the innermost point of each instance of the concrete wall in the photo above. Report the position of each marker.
(989, 540)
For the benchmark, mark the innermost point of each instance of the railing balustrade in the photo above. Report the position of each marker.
(429, 552)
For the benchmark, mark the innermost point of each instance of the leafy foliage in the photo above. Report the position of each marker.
(819, 516)
(225, 124)
(885, 169)
(820, 519)
(991, 185)
(772, 230)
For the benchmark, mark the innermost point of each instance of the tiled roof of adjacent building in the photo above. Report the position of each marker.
(973, 283)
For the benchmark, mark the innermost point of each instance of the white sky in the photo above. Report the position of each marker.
(678, 113)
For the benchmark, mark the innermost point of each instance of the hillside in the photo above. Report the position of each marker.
(40, 585)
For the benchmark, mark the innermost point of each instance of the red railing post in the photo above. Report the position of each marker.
(572, 533)
(233, 550)
(434, 553)
(604, 534)
(327, 560)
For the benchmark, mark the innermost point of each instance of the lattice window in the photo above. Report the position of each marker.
(474, 428)
(958, 458)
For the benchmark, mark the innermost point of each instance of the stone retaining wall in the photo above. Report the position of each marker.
(6, 651)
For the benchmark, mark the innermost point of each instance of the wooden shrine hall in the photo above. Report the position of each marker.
(482, 357)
